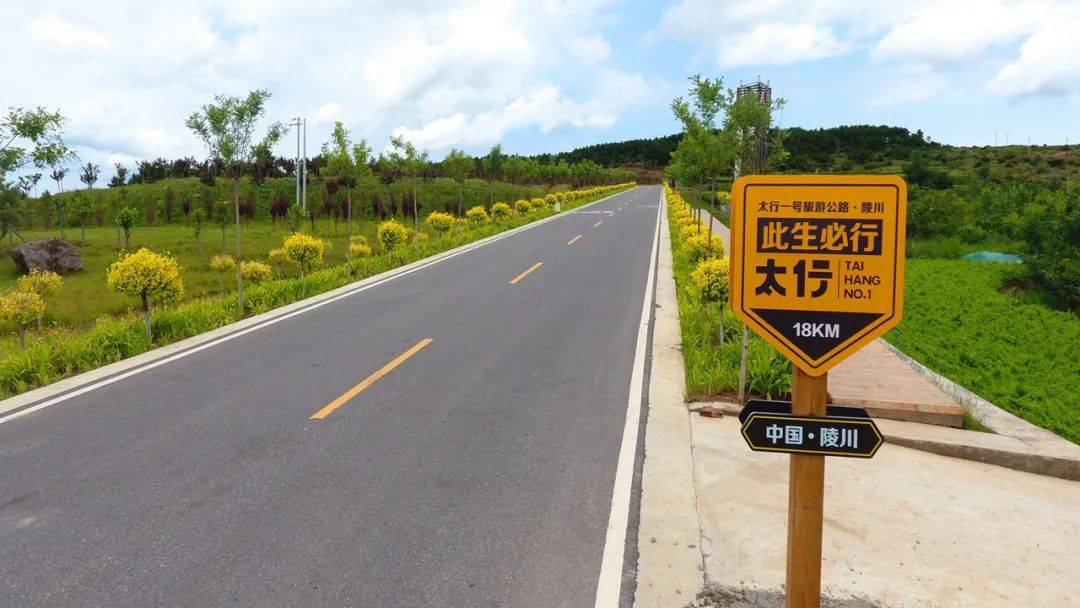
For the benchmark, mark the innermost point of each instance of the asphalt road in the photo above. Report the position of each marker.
(478, 472)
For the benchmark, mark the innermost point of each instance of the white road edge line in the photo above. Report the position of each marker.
(397, 272)
(609, 584)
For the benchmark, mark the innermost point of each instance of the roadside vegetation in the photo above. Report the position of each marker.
(61, 351)
(711, 334)
(962, 321)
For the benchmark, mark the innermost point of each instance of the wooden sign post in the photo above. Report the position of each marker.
(817, 270)
(806, 500)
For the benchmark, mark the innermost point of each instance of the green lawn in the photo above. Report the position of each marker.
(1021, 356)
(85, 298)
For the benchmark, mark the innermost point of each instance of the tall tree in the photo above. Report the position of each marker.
(704, 144)
(348, 164)
(227, 127)
(515, 169)
(493, 168)
(31, 137)
(749, 126)
(458, 166)
(409, 161)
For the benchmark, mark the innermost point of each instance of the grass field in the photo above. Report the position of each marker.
(84, 296)
(1021, 356)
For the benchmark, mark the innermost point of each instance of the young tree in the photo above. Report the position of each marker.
(83, 208)
(147, 275)
(348, 164)
(34, 179)
(221, 264)
(409, 162)
(306, 252)
(749, 125)
(198, 216)
(89, 174)
(21, 308)
(58, 174)
(221, 216)
(42, 282)
(125, 219)
(458, 166)
(227, 127)
(31, 137)
(493, 169)
(120, 178)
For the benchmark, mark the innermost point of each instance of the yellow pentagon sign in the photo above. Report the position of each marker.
(817, 262)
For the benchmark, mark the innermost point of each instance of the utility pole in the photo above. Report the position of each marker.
(304, 174)
(296, 165)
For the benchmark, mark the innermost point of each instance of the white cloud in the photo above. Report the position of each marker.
(1017, 47)
(590, 49)
(956, 31)
(126, 76)
(780, 44)
(1049, 63)
(326, 113)
(55, 30)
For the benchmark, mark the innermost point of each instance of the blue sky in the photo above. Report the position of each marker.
(540, 76)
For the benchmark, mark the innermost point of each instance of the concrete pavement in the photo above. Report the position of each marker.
(478, 472)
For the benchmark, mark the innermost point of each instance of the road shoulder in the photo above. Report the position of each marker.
(669, 539)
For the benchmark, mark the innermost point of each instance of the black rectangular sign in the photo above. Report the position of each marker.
(854, 437)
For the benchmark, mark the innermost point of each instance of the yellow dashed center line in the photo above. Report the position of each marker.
(573, 240)
(526, 273)
(359, 388)
(597, 224)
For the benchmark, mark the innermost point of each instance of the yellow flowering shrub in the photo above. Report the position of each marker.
(222, 263)
(551, 199)
(146, 274)
(477, 215)
(41, 282)
(20, 308)
(278, 256)
(522, 206)
(697, 248)
(501, 211)
(440, 222)
(256, 272)
(304, 250)
(391, 234)
(710, 279)
(537, 204)
(359, 248)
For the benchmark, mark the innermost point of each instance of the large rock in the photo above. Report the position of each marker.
(52, 253)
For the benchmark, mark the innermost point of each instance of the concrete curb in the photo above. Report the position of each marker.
(670, 568)
(989, 448)
(66, 388)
